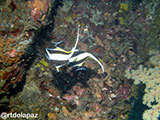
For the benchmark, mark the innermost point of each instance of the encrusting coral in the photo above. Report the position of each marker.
(151, 78)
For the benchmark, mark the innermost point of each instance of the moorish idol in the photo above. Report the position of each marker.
(60, 56)
(74, 57)
(79, 58)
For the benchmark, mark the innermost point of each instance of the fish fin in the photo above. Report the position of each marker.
(52, 49)
(76, 50)
(57, 43)
(47, 57)
(80, 69)
(94, 58)
(78, 65)
(58, 67)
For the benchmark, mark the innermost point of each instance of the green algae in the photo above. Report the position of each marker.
(43, 62)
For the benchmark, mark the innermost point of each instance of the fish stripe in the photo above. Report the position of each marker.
(77, 52)
(58, 51)
(62, 50)
(77, 63)
(60, 57)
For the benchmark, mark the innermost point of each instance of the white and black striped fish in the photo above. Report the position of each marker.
(79, 57)
(60, 57)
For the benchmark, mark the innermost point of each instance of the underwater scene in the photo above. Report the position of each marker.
(80, 59)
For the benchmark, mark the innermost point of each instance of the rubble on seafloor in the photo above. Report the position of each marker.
(115, 32)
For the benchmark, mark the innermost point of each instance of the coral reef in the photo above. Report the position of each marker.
(16, 35)
(19, 21)
(114, 31)
(151, 78)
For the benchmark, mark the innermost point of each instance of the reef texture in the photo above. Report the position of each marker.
(151, 78)
(119, 33)
(18, 22)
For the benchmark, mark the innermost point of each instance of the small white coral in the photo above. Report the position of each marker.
(152, 114)
(155, 60)
(151, 78)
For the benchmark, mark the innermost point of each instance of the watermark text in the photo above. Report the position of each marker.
(5, 115)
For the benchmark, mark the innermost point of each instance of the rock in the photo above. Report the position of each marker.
(30, 94)
(98, 41)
